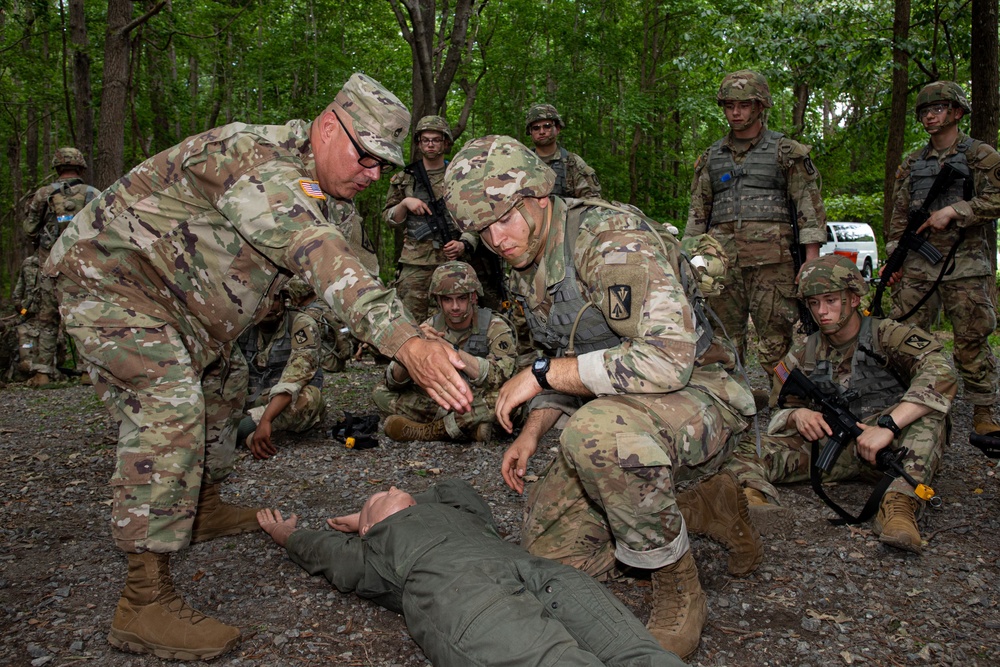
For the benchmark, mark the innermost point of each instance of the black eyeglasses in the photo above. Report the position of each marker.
(538, 127)
(366, 159)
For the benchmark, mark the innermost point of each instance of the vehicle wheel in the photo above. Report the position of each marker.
(866, 272)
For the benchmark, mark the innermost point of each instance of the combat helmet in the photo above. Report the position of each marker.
(942, 91)
(542, 112)
(745, 85)
(435, 124)
(454, 279)
(831, 273)
(68, 156)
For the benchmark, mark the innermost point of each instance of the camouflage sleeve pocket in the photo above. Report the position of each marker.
(625, 296)
(133, 469)
(640, 450)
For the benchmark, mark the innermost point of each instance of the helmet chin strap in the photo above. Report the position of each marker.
(534, 237)
(845, 316)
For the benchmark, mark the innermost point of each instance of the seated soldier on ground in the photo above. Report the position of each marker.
(901, 388)
(485, 342)
(286, 382)
(468, 597)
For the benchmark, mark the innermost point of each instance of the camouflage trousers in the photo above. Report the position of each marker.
(767, 294)
(38, 344)
(177, 427)
(413, 289)
(308, 410)
(785, 459)
(417, 406)
(610, 491)
(970, 305)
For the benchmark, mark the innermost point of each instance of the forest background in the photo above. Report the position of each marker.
(634, 80)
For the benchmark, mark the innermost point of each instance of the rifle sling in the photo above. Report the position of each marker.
(867, 512)
(947, 266)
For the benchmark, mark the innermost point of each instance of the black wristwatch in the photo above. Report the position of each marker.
(540, 369)
(886, 421)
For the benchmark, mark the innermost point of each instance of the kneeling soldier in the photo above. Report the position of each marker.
(901, 388)
(485, 342)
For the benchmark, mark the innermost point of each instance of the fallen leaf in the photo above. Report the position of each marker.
(198, 575)
(531, 478)
(840, 617)
(434, 471)
(846, 655)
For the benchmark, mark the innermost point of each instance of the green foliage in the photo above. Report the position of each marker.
(855, 208)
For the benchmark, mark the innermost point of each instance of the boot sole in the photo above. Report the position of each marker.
(902, 544)
(131, 643)
(770, 519)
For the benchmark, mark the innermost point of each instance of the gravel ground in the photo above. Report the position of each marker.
(823, 595)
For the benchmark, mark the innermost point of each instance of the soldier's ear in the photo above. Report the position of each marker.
(364, 529)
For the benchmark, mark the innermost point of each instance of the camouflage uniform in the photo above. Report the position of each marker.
(666, 409)
(495, 368)
(966, 293)
(911, 354)
(160, 275)
(574, 177)
(38, 334)
(758, 236)
(291, 356)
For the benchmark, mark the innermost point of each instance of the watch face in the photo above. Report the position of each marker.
(541, 364)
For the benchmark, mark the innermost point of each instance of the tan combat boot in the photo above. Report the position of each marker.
(402, 429)
(770, 519)
(718, 509)
(982, 420)
(218, 519)
(483, 433)
(896, 522)
(680, 607)
(38, 380)
(152, 618)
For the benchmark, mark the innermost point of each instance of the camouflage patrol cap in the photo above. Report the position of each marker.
(542, 112)
(68, 157)
(830, 273)
(380, 120)
(434, 124)
(745, 85)
(490, 176)
(455, 278)
(942, 91)
(297, 289)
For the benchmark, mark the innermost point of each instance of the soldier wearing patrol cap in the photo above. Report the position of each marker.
(630, 371)
(961, 224)
(157, 278)
(49, 213)
(574, 177)
(485, 342)
(427, 241)
(749, 189)
(901, 385)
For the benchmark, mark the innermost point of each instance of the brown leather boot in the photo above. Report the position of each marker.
(680, 607)
(717, 508)
(218, 519)
(982, 420)
(896, 522)
(38, 380)
(483, 433)
(152, 618)
(770, 519)
(402, 429)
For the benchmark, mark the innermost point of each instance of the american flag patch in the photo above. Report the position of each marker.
(312, 189)
(781, 370)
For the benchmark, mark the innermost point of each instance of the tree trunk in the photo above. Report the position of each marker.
(83, 96)
(801, 92)
(898, 115)
(110, 162)
(986, 84)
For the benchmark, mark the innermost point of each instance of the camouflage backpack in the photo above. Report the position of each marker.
(66, 199)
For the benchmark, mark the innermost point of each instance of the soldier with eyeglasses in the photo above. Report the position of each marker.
(430, 238)
(157, 278)
(961, 223)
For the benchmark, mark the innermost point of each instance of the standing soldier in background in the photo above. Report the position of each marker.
(486, 343)
(159, 275)
(757, 192)
(285, 388)
(430, 238)
(574, 177)
(961, 222)
(49, 213)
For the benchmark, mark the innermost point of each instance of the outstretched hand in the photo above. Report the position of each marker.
(274, 525)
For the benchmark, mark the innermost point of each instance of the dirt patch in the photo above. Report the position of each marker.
(823, 595)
